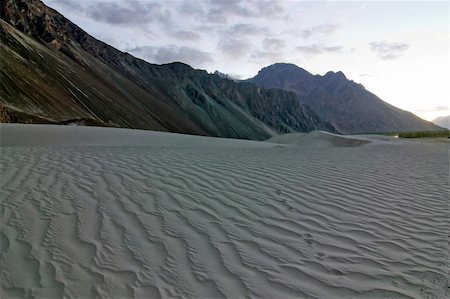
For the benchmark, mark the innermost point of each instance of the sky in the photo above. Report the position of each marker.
(399, 50)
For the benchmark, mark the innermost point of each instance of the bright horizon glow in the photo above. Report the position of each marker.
(397, 50)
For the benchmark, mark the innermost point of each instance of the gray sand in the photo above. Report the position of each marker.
(113, 213)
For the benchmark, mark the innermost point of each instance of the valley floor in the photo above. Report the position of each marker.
(113, 213)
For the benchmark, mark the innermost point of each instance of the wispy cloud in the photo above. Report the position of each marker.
(135, 12)
(435, 109)
(242, 30)
(441, 108)
(323, 30)
(273, 44)
(220, 11)
(266, 56)
(70, 4)
(172, 53)
(315, 49)
(388, 50)
(234, 48)
(186, 35)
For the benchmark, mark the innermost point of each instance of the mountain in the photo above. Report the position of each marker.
(443, 121)
(346, 104)
(54, 72)
(225, 76)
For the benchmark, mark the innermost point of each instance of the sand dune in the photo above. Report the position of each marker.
(321, 139)
(51, 135)
(198, 217)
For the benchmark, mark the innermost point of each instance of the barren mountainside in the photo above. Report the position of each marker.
(443, 121)
(346, 104)
(54, 72)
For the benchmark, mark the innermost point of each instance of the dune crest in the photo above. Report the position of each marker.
(319, 139)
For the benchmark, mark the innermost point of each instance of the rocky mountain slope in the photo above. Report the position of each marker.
(443, 121)
(54, 72)
(346, 104)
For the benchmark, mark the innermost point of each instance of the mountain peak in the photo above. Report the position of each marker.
(346, 104)
(283, 67)
(337, 74)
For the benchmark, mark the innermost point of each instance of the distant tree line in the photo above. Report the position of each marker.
(412, 134)
(423, 134)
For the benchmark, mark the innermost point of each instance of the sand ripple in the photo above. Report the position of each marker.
(119, 222)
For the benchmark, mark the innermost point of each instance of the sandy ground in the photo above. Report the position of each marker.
(114, 213)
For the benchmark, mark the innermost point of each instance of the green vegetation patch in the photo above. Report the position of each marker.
(424, 134)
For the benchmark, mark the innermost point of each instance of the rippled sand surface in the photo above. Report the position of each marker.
(198, 217)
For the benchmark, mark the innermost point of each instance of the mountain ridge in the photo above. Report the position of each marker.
(346, 104)
(443, 121)
(76, 76)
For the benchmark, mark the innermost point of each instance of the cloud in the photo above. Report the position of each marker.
(315, 49)
(435, 109)
(319, 30)
(273, 44)
(120, 12)
(388, 50)
(262, 56)
(240, 39)
(441, 108)
(220, 11)
(234, 47)
(172, 53)
(186, 35)
(134, 12)
(271, 8)
(271, 51)
(241, 30)
(191, 8)
(365, 75)
(245, 8)
(67, 3)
